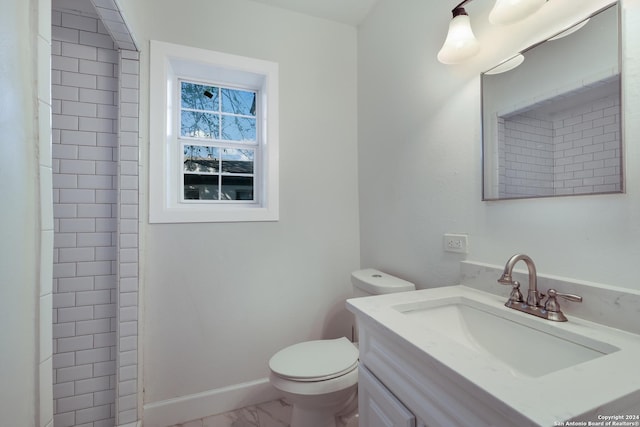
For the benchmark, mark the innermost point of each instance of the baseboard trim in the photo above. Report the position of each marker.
(212, 402)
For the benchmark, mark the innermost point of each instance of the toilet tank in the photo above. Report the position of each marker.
(370, 281)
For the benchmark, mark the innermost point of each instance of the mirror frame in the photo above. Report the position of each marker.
(495, 194)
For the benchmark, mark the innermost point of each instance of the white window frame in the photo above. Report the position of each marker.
(168, 64)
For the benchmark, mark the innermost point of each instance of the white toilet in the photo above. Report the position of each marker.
(320, 378)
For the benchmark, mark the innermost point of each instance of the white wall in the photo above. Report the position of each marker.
(419, 155)
(220, 299)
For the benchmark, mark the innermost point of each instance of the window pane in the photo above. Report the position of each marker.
(200, 187)
(237, 161)
(236, 128)
(199, 97)
(238, 102)
(237, 188)
(199, 125)
(199, 158)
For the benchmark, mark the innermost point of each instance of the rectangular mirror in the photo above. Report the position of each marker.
(552, 126)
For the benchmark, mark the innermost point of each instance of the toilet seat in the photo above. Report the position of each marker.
(318, 360)
(320, 378)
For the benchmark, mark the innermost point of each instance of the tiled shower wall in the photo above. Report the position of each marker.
(573, 152)
(127, 376)
(587, 148)
(85, 113)
(528, 155)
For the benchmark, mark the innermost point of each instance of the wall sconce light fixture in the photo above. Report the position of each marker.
(509, 11)
(461, 43)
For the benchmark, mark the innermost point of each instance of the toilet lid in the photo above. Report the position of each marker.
(315, 360)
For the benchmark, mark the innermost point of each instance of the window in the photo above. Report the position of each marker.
(219, 142)
(214, 136)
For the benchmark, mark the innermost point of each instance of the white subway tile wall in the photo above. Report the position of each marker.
(528, 156)
(587, 157)
(128, 213)
(85, 111)
(95, 135)
(576, 151)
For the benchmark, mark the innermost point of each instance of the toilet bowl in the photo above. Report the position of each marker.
(320, 378)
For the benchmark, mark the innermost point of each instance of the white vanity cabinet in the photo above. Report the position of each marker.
(401, 387)
(378, 407)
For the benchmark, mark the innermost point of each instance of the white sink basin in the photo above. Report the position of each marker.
(523, 343)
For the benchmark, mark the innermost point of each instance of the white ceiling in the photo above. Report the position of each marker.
(350, 12)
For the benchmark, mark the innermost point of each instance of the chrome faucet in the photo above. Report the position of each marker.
(533, 297)
(550, 310)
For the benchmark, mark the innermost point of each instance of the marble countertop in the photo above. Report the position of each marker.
(606, 385)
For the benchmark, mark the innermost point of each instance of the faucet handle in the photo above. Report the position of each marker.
(570, 297)
(552, 304)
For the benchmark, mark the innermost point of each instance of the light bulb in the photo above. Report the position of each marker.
(510, 11)
(460, 43)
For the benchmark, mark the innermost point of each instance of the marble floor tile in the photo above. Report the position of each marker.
(245, 417)
(276, 413)
(270, 414)
(194, 423)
